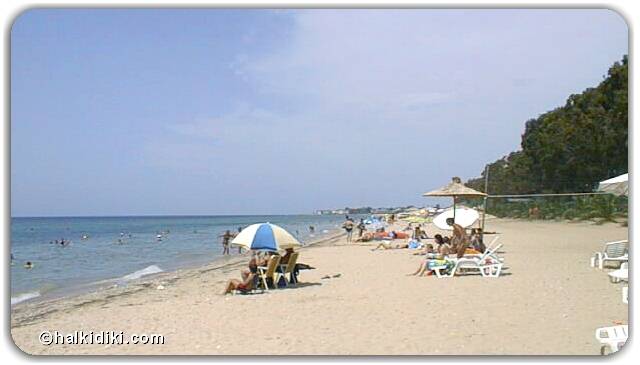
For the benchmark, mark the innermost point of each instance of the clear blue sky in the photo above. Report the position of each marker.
(119, 112)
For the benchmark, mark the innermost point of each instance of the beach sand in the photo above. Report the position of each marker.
(548, 301)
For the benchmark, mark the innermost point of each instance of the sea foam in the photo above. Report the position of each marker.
(24, 296)
(149, 270)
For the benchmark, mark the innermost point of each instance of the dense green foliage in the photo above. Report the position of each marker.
(601, 208)
(571, 148)
(567, 150)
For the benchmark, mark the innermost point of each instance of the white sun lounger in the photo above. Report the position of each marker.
(616, 251)
(625, 295)
(488, 264)
(619, 275)
(613, 337)
(490, 248)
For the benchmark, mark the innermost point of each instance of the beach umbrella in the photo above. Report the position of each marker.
(265, 237)
(465, 217)
(455, 189)
(618, 185)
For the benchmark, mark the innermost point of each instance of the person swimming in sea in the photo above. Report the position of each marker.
(28, 265)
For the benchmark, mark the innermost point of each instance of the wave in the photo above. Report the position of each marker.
(23, 297)
(149, 270)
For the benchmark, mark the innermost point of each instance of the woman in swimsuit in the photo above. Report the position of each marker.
(235, 284)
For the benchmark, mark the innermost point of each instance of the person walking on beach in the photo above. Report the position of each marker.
(348, 227)
(226, 237)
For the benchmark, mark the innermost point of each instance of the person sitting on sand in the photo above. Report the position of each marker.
(419, 233)
(246, 284)
(252, 268)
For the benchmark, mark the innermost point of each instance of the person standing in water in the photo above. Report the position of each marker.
(226, 237)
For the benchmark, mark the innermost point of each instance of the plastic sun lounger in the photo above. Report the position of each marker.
(288, 270)
(619, 275)
(613, 337)
(269, 272)
(622, 274)
(616, 251)
(625, 295)
(490, 248)
(487, 265)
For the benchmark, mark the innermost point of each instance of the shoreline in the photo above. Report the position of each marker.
(109, 288)
(547, 286)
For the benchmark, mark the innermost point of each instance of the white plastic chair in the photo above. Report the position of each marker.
(625, 295)
(613, 337)
(622, 274)
(616, 251)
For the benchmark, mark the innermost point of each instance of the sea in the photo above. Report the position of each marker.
(116, 250)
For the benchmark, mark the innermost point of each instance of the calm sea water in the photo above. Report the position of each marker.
(186, 241)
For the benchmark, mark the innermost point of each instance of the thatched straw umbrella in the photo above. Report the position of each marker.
(455, 189)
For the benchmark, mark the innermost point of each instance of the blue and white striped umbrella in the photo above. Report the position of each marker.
(265, 237)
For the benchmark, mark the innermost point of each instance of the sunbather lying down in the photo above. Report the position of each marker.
(235, 284)
(366, 237)
(391, 246)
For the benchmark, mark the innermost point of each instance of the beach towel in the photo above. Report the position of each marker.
(431, 263)
(413, 244)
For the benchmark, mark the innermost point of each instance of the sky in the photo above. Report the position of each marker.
(210, 111)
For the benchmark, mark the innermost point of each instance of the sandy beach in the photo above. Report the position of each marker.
(548, 301)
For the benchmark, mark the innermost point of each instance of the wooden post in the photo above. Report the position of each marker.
(486, 191)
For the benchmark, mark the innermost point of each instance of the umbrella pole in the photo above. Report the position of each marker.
(454, 210)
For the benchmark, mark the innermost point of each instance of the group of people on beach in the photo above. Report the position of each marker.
(258, 259)
(458, 243)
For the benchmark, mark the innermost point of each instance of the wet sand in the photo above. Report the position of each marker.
(548, 301)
